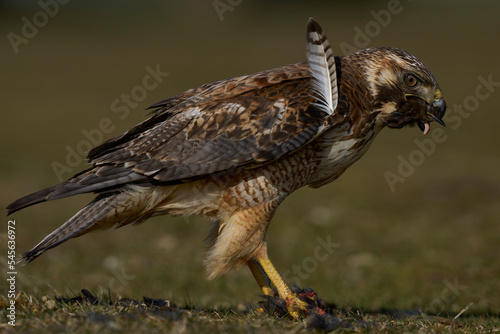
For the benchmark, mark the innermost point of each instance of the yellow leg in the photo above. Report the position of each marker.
(265, 273)
(261, 277)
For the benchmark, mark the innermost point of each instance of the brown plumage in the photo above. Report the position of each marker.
(233, 150)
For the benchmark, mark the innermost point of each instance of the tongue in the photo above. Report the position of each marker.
(427, 127)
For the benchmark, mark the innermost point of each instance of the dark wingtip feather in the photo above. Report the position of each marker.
(31, 199)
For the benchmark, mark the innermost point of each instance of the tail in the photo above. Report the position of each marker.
(107, 210)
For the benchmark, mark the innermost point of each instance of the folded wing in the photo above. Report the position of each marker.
(243, 122)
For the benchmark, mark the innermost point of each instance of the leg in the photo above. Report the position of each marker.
(261, 277)
(265, 273)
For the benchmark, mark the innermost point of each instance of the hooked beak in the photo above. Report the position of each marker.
(436, 110)
(439, 105)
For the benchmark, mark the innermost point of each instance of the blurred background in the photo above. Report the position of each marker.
(78, 73)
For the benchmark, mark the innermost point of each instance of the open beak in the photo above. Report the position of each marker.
(437, 109)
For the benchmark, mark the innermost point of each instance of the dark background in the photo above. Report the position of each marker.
(430, 242)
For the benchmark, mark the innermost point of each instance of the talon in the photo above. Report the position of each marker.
(296, 307)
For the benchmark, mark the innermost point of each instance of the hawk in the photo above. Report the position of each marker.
(233, 150)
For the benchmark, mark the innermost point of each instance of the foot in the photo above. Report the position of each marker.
(296, 307)
(302, 303)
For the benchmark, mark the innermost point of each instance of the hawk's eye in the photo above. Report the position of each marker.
(411, 80)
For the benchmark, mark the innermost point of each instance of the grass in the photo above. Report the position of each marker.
(104, 315)
(406, 261)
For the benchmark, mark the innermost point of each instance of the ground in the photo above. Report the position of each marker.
(403, 258)
(89, 313)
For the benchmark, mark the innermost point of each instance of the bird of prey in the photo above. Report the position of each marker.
(233, 150)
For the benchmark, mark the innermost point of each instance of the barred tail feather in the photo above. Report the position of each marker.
(106, 211)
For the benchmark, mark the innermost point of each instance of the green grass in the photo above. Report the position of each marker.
(52, 315)
(406, 261)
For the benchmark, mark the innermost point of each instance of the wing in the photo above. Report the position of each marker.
(242, 122)
(237, 123)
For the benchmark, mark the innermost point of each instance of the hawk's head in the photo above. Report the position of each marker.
(403, 89)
